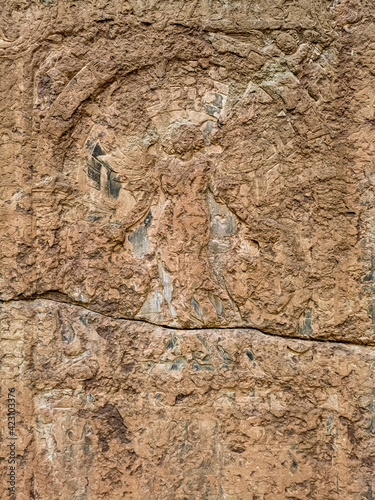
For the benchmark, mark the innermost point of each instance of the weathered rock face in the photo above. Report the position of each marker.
(128, 410)
(187, 248)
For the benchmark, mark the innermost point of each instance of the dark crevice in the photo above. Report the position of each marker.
(67, 301)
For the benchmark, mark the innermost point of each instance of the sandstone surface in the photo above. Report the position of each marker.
(187, 234)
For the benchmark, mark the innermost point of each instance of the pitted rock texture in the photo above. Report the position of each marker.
(196, 165)
(190, 170)
(121, 409)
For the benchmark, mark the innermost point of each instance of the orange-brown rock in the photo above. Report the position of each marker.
(187, 268)
(123, 409)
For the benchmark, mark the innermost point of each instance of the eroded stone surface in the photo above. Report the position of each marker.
(197, 166)
(189, 171)
(121, 409)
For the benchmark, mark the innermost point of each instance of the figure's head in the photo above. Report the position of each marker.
(179, 141)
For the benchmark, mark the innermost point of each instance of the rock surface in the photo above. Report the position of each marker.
(123, 409)
(187, 277)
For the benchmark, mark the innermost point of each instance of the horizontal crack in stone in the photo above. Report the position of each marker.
(168, 327)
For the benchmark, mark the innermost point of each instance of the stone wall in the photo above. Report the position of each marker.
(187, 276)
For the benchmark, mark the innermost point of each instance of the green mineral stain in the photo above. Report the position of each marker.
(198, 367)
(172, 342)
(178, 364)
(306, 327)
